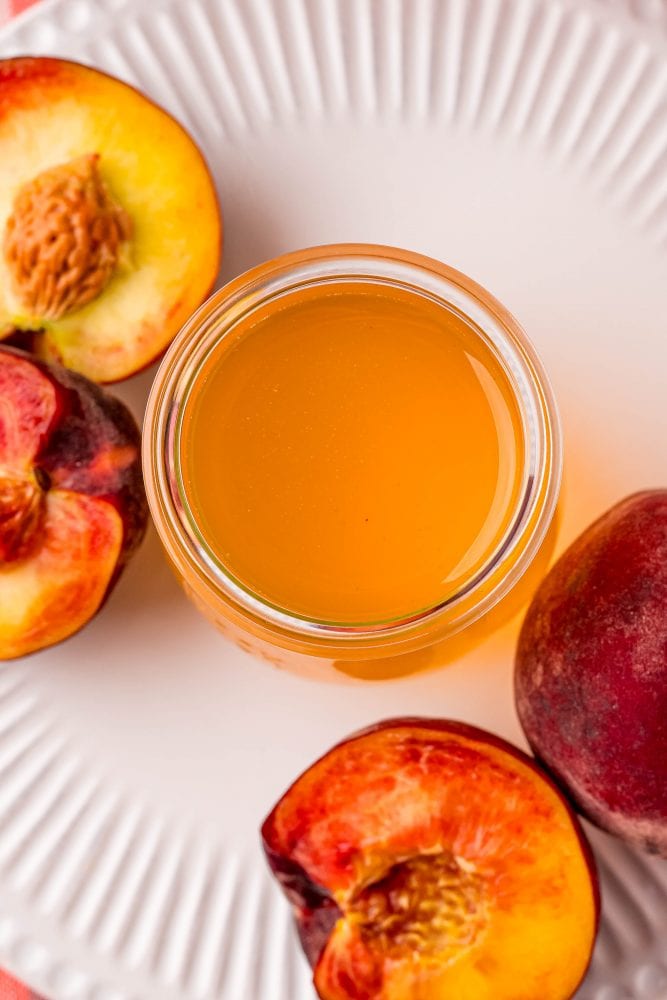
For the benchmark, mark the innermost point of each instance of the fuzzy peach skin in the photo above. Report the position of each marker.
(72, 503)
(53, 111)
(429, 860)
(591, 671)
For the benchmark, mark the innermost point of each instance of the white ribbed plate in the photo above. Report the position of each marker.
(523, 141)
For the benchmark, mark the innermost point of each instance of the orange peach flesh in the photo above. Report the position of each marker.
(52, 594)
(54, 579)
(457, 869)
(21, 499)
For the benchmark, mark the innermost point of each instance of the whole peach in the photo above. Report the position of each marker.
(591, 671)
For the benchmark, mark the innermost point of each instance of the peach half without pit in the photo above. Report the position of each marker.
(72, 503)
(110, 227)
(429, 860)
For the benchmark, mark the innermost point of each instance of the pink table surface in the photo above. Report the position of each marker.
(10, 7)
(11, 989)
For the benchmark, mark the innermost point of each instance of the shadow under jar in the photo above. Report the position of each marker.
(351, 452)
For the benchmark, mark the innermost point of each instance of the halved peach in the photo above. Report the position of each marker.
(430, 860)
(72, 503)
(110, 228)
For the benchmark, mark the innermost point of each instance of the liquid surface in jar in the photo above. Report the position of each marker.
(352, 453)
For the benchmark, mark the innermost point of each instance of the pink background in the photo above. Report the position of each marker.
(9, 7)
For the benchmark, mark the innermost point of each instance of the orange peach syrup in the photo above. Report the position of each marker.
(352, 453)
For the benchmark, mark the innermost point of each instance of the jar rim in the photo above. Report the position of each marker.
(424, 276)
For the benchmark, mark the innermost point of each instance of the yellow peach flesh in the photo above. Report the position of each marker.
(53, 112)
(50, 595)
(457, 869)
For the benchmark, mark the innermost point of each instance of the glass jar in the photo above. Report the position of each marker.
(255, 623)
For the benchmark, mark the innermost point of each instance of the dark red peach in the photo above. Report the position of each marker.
(591, 671)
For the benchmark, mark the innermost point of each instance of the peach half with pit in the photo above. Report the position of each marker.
(429, 859)
(72, 503)
(110, 229)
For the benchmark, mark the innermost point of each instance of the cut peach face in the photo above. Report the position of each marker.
(110, 228)
(72, 503)
(429, 859)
